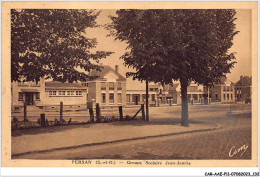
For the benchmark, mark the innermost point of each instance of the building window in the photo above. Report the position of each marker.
(153, 97)
(224, 88)
(59, 92)
(68, 92)
(216, 96)
(227, 96)
(224, 95)
(54, 93)
(119, 96)
(111, 98)
(119, 86)
(63, 92)
(103, 98)
(37, 96)
(78, 92)
(128, 98)
(20, 95)
(50, 92)
(143, 97)
(227, 88)
(103, 86)
(231, 95)
(151, 89)
(72, 92)
(111, 85)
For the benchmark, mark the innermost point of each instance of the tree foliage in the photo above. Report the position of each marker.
(168, 45)
(184, 45)
(50, 43)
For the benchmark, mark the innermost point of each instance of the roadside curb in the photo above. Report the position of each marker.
(118, 141)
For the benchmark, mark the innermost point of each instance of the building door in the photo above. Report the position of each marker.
(29, 98)
(136, 100)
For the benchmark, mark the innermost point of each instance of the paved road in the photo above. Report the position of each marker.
(233, 136)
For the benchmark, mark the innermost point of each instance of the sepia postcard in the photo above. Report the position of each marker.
(129, 84)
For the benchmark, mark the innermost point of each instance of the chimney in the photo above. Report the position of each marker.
(241, 78)
(116, 68)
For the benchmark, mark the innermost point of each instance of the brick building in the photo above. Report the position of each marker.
(223, 91)
(109, 89)
(243, 88)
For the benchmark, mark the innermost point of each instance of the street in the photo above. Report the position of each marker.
(231, 141)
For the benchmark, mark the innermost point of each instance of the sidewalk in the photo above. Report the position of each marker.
(94, 134)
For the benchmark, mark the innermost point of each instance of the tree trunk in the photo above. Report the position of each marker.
(147, 102)
(184, 104)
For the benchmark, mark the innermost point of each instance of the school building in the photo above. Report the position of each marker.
(243, 88)
(111, 88)
(222, 91)
(47, 93)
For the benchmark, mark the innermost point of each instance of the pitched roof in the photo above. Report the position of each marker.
(104, 70)
(244, 81)
(175, 86)
(224, 80)
(60, 84)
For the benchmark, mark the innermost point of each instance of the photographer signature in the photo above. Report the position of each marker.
(233, 151)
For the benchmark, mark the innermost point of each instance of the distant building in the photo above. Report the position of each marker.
(223, 91)
(47, 93)
(109, 89)
(194, 93)
(243, 88)
(137, 96)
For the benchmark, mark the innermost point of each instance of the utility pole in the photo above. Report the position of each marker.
(208, 95)
(147, 102)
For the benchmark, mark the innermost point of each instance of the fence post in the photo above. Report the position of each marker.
(143, 113)
(61, 111)
(24, 112)
(120, 113)
(91, 114)
(98, 113)
(42, 119)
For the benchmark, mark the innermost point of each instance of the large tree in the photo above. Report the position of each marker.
(51, 43)
(184, 45)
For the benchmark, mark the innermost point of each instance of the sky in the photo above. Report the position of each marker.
(242, 46)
